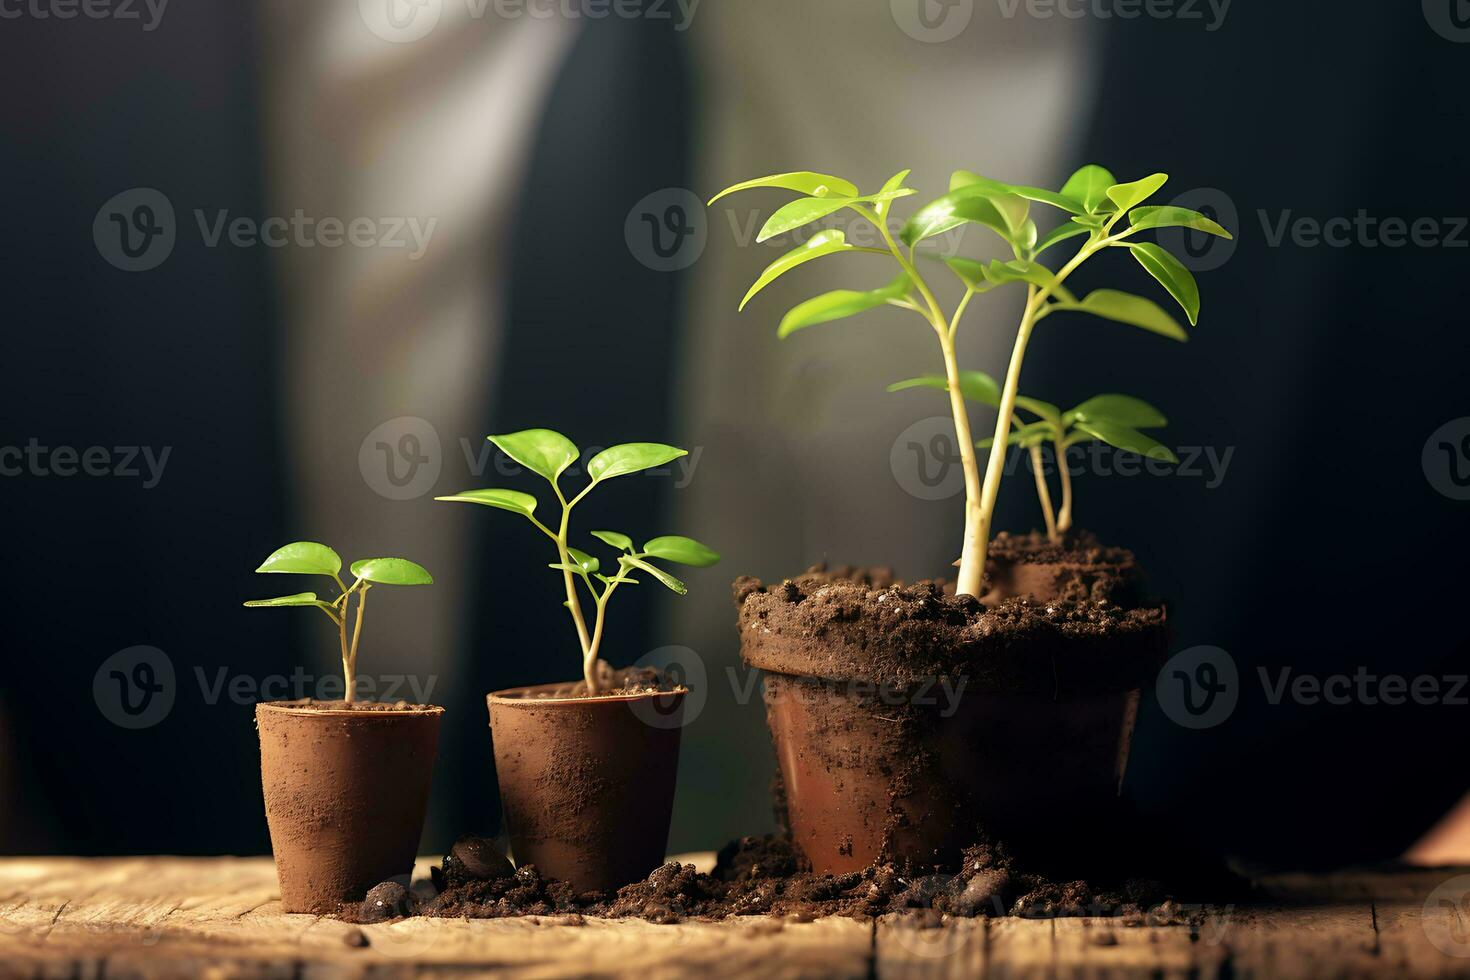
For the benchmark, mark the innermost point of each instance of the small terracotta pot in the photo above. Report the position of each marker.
(587, 784)
(866, 778)
(345, 796)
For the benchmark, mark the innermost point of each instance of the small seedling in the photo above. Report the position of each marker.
(548, 454)
(310, 558)
(1093, 202)
(1112, 419)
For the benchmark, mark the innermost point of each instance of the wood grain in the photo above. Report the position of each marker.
(220, 917)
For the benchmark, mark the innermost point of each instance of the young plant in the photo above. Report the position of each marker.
(310, 558)
(1112, 419)
(548, 454)
(1093, 203)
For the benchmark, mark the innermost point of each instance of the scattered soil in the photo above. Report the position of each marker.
(765, 876)
(1076, 567)
(861, 624)
(312, 704)
(623, 682)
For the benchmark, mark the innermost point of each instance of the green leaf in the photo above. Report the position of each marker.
(1001, 211)
(801, 181)
(664, 577)
(975, 386)
(1123, 409)
(1127, 438)
(619, 579)
(1110, 304)
(1059, 234)
(620, 541)
(966, 178)
(1089, 185)
(391, 571)
(303, 558)
(584, 561)
(1171, 273)
(1168, 216)
(840, 303)
(1090, 221)
(823, 243)
(300, 599)
(511, 500)
(1046, 410)
(1129, 195)
(1024, 436)
(685, 551)
(971, 273)
(800, 212)
(894, 183)
(1019, 270)
(541, 451)
(630, 457)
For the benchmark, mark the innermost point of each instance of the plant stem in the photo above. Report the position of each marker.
(574, 604)
(356, 636)
(1044, 494)
(342, 637)
(1064, 516)
(972, 554)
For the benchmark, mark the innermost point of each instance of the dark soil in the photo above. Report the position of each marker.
(1076, 567)
(764, 876)
(312, 704)
(623, 682)
(861, 624)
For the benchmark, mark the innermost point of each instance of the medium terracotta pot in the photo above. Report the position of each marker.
(345, 796)
(868, 778)
(587, 784)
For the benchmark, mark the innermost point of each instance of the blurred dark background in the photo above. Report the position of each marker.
(565, 276)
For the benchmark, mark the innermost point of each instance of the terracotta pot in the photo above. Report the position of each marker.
(867, 778)
(345, 796)
(587, 784)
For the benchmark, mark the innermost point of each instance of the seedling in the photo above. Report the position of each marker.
(1094, 203)
(1112, 419)
(310, 558)
(548, 454)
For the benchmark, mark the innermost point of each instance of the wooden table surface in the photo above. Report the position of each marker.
(221, 917)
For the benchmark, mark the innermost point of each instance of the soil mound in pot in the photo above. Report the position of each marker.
(625, 681)
(1076, 567)
(862, 624)
(765, 876)
(312, 704)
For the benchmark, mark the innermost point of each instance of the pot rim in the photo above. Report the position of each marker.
(296, 708)
(517, 696)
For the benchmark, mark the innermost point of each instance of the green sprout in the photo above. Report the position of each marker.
(1112, 419)
(548, 454)
(1093, 203)
(310, 558)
